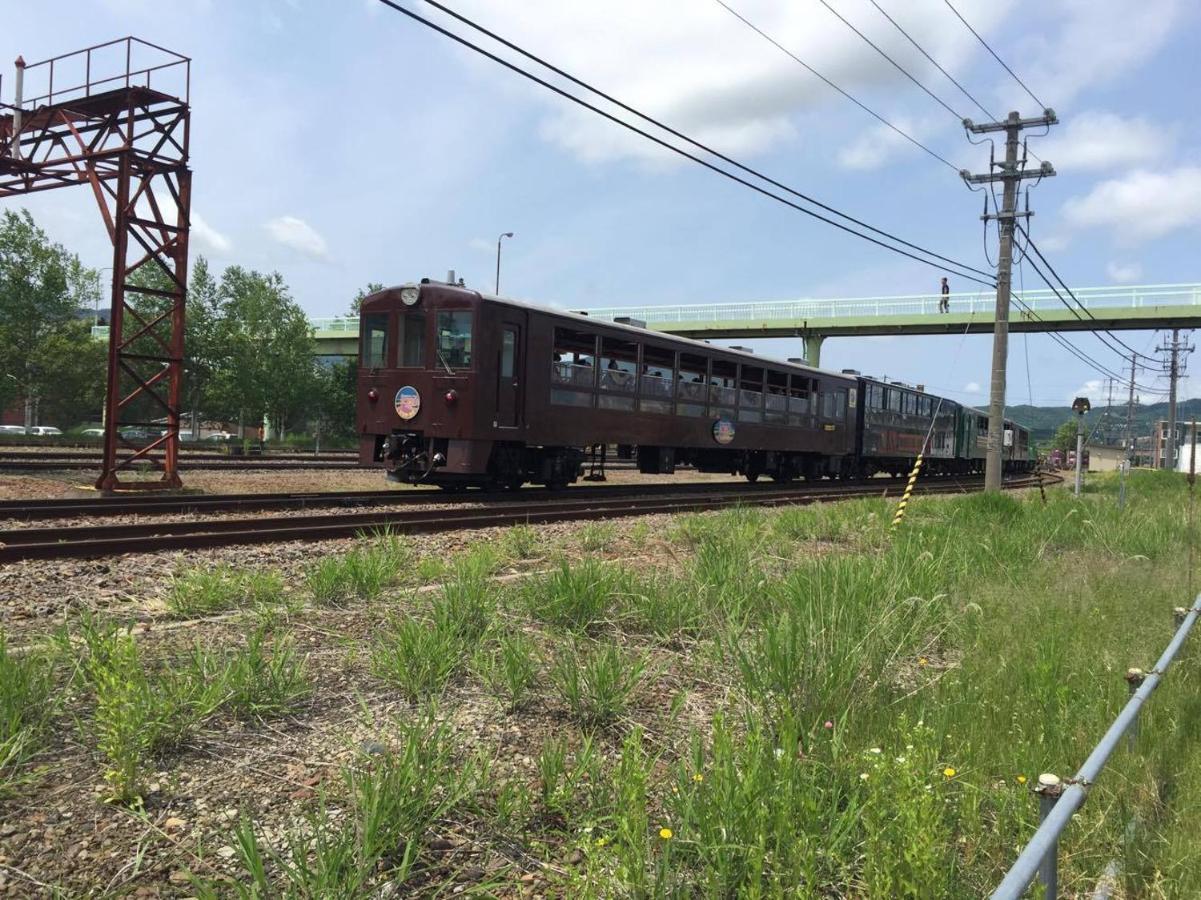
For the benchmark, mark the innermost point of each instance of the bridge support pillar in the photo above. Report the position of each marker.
(813, 349)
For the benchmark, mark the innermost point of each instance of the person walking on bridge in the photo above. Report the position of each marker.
(944, 303)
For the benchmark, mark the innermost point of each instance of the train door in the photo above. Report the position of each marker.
(509, 368)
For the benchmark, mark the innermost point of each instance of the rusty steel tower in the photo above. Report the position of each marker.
(116, 117)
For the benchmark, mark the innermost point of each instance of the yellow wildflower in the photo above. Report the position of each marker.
(698, 777)
(665, 833)
(949, 772)
(1021, 779)
(922, 661)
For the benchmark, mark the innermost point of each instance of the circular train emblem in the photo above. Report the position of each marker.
(408, 402)
(723, 431)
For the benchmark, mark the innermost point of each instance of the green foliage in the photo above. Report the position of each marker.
(262, 682)
(356, 302)
(520, 542)
(370, 832)
(576, 597)
(1065, 436)
(202, 592)
(596, 682)
(27, 701)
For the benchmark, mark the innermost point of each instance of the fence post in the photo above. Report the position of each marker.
(1049, 788)
(1134, 680)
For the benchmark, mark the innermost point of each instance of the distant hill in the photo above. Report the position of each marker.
(1043, 420)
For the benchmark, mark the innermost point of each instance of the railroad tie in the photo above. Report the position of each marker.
(900, 513)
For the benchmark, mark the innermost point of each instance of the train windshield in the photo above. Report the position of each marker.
(454, 338)
(412, 340)
(375, 340)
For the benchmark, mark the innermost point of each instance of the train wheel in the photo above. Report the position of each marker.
(752, 477)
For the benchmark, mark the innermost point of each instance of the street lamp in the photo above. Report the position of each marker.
(1080, 406)
(507, 234)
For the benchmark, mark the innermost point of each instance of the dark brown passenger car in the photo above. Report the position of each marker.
(460, 388)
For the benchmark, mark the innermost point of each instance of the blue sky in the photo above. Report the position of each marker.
(339, 143)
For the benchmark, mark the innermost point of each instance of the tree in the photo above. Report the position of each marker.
(357, 303)
(266, 368)
(1065, 436)
(42, 289)
(333, 401)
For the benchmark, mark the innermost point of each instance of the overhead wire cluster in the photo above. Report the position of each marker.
(711, 159)
(675, 141)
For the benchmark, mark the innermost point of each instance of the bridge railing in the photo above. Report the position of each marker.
(982, 302)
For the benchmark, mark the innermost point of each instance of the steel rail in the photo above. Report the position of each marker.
(233, 463)
(197, 456)
(1046, 838)
(92, 541)
(159, 504)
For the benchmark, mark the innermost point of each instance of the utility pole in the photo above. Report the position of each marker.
(1128, 437)
(1107, 431)
(1010, 176)
(1174, 370)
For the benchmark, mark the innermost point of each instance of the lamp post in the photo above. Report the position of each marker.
(507, 234)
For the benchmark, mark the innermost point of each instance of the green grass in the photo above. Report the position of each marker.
(366, 831)
(27, 704)
(596, 682)
(509, 668)
(203, 592)
(360, 574)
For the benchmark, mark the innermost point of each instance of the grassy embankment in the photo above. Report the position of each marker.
(793, 702)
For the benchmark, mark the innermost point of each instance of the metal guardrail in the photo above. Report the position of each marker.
(983, 302)
(911, 304)
(1058, 800)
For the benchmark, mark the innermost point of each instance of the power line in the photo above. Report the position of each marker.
(871, 112)
(678, 150)
(959, 16)
(1030, 245)
(933, 61)
(937, 99)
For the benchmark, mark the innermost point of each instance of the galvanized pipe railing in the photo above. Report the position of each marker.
(1058, 801)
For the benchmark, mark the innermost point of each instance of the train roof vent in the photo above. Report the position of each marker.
(580, 312)
(850, 371)
(797, 359)
(629, 320)
(743, 349)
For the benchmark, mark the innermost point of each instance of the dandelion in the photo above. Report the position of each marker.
(665, 833)
(698, 778)
(923, 662)
(1021, 779)
(949, 772)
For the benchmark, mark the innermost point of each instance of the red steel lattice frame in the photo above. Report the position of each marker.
(129, 141)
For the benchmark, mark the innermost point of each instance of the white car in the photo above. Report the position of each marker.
(92, 432)
(12, 429)
(45, 431)
(219, 436)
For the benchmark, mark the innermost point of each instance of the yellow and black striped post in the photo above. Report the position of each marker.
(900, 513)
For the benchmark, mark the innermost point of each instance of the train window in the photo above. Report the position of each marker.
(658, 375)
(875, 396)
(982, 424)
(690, 387)
(894, 399)
(776, 401)
(454, 338)
(840, 405)
(412, 340)
(798, 401)
(910, 404)
(924, 407)
(508, 352)
(574, 352)
(723, 395)
(750, 394)
(618, 373)
(375, 341)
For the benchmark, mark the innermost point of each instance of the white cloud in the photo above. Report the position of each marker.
(207, 239)
(876, 146)
(1102, 140)
(1094, 389)
(482, 245)
(972, 387)
(1124, 273)
(299, 235)
(1097, 42)
(710, 76)
(1140, 206)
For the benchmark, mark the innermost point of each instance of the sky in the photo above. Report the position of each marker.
(340, 143)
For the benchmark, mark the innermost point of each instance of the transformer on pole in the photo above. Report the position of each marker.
(116, 117)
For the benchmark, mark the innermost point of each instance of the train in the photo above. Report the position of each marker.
(461, 389)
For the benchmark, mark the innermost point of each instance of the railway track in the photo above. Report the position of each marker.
(233, 463)
(144, 537)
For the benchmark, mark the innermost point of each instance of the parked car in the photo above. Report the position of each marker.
(12, 429)
(45, 431)
(92, 432)
(218, 436)
(134, 433)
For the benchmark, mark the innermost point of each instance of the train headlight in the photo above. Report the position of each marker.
(409, 295)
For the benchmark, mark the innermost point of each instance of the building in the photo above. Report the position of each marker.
(1159, 442)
